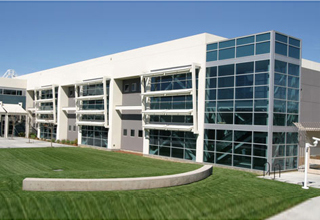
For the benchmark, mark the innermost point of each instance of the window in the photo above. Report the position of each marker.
(133, 87)
(124, 132)
(69, 127)
(74, 128)
(126, 88)
(132, 133)
(140, 133)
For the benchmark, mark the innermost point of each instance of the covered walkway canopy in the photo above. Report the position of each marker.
(11, 110)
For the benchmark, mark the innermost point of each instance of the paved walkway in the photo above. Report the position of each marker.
(297, 177)
(19, 142)
(308, 210)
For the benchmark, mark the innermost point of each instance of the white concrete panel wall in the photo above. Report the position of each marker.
(128, 64)
(13, 82)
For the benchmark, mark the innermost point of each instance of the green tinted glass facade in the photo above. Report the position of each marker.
(257, 90)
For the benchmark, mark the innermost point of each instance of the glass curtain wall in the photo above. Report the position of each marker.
(246, 149)
(178, 144)
(94, 135)
(238, 93)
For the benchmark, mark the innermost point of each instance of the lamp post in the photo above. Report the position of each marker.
(306, 164)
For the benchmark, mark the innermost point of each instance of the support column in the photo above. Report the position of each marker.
(6, 126)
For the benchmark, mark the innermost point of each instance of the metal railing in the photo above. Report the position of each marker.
(268, 171)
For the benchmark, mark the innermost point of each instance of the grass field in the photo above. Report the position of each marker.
(227, 194)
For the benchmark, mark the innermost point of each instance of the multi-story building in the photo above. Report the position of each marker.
(204, 98)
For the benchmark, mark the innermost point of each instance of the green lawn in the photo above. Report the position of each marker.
(227, 194)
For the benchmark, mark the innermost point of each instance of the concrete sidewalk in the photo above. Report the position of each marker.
(20, 142)
(296, 177)
(308, 210)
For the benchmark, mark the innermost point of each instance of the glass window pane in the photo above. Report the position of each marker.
(280, 66)
(294, 42)
(243, 136)
(247, 50)
(226, 82)
(291, 150)
(208, 157)
(246, 80)
(280, 79)
(279, 119)
(225, 106)
(228, 43)
(226, 70)
(278, 150)
(224, 135)
(211, 71)
(294, 52)
(261, 92)
(226, 53)
(293, 82)
(245, 40)
(210, 134)
(282, 38)
(292, 119)
(280, 92)
(263, 37)
(210, 94)
(225, 159)
(223, 146)
(262, 48)
(244, 106)
(279, 106)
(211, 82)
(225, 93)
(210, 118)
(262, 79)
(262, 66)
(212, 56)
(292, 137)
(259, 163)
(212, 46)
(243, 68)
(293, 94)
(210, 106)
(260, 137)
(294, 69)
(244, 93)
(293, 107)
(243, 118)
(240, 161)
(281, 49)
(261, 105)
(260, 150)
(225, 118)
(291, 163)
(260, 118)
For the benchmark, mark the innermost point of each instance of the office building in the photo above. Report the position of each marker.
(203, 98)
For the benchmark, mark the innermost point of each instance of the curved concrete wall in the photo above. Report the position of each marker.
(47, 184)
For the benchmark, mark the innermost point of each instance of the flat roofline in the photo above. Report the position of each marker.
(308, 64)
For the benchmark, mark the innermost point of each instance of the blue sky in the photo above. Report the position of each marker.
(42, 35)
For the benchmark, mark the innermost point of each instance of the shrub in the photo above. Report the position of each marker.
(33, 136)
(21, 134)
(76, 141)
(53, 140)
(71, 142)
(67, 141)
(63, 141)
(58, 141)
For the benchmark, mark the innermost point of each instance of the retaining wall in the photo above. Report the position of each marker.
(53, 184)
